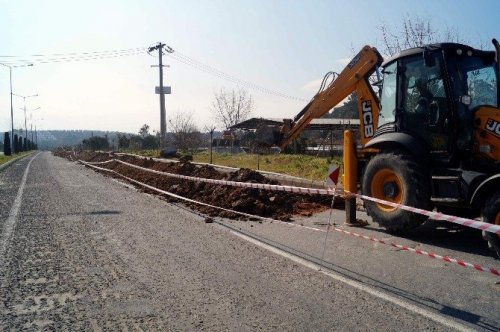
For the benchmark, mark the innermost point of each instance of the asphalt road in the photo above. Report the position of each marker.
(81, 251)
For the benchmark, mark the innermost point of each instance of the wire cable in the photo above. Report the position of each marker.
(325, 79)
(170, 52)
(74, 53)
(75, 58)
(221, 74)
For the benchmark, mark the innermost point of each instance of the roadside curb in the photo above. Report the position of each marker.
(10, 162)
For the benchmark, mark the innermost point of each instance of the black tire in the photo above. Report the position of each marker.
(491, 211)
(413, 184)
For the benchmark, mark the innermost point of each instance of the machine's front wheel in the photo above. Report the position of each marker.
(396, 177)
(491, 214)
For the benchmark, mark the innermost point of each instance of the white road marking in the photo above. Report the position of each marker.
(360, 286)
(11, 220)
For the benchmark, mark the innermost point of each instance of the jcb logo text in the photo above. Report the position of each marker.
(368, 118)
(493, 127)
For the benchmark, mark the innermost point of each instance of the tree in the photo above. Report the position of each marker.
(6, 144)
(95, 143)
(123, 141)
(231, 107)
(135, 142)
(150, 142)
(348, 110)
(144, 131)
(414, 31)
(186, 134)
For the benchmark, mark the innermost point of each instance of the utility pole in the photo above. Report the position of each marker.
(11, 107)
(211, 131)
(163, 122)
(31, 122)
(11, 111)
(25, 120)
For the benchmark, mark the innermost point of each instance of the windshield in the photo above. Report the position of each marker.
(388, 99)
(475, 76)
(478, 77)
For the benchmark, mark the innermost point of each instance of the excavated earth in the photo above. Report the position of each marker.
(273, 204)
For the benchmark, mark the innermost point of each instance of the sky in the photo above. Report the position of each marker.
(283, 46)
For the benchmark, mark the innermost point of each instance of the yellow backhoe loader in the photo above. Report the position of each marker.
(429, 132)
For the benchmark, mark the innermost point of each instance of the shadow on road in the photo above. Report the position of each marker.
(85, 213)
(431, 304)
(445, 235)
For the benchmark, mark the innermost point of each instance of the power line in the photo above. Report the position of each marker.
(221, 74)
(73, 54)
(80, 57)
(108, 54)
(214, 71)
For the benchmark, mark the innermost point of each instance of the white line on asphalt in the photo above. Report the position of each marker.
(360, 286)
(11, 220)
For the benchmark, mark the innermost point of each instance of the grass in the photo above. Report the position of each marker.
(4, 159)
(304, 166)
(147, 153)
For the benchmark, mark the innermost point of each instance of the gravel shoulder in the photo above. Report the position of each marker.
(88, 253)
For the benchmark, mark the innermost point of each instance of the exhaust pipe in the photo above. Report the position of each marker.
(497, 59)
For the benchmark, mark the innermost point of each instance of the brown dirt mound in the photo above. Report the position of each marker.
(272, 204)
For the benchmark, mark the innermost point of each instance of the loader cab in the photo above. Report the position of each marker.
(431, 94)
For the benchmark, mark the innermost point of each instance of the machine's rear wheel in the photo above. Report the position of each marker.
(396, 177)
(491, 214)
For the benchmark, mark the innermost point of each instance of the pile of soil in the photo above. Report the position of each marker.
(273, 204)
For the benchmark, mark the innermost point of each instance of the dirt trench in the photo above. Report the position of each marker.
(273, 204)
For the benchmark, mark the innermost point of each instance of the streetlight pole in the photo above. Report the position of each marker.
(11, 107)
(25, 120)
(31, 122)
(11, 113)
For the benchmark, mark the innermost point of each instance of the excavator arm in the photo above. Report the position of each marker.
(354, 77)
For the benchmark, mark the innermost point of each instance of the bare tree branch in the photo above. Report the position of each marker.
(414, 31)
(231, 107)
(186, 133)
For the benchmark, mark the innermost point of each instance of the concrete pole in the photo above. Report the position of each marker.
(163, 117)
(11, 113)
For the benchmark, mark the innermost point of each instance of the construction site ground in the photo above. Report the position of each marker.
(91, 252)
(272, 204)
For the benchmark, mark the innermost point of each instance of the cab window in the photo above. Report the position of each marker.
(424, 96)
(482, 86)
(388, 99)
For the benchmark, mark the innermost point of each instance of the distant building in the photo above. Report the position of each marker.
(324, 135)
(316, 124)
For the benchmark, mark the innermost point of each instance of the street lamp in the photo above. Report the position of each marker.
(31, 123)
(11, 108)
(25, 121)
(36, 132)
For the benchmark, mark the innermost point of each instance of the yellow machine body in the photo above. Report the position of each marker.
(487, 133)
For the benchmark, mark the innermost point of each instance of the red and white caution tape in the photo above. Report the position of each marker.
(302, 190)
(436, 215)
(101, 162)
(424, 253)
(175, 195)
(272, 174)
(460, 262)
